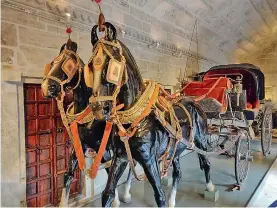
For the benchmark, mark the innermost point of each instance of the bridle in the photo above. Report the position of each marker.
(69, 72)
(116, 72)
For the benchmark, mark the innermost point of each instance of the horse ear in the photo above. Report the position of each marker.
(71, 45)
(62, 48)
(93, 36)
(111, 31)
(74, 47)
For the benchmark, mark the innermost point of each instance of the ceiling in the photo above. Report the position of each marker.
(237, 27)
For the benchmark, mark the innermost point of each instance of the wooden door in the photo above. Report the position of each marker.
(47, 150)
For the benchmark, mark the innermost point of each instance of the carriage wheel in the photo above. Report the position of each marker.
(243, 158)
(266, 131)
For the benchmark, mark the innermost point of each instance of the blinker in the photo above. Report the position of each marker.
(98, 60)
(69, 68)
(47, 69)
(88, 76)
(115, 72)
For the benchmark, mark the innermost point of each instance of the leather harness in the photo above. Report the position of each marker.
(149, 102)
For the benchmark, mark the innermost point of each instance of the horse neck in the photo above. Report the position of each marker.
(132, 89)
(80, 96)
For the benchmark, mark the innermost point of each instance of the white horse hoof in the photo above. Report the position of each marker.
(127, 198)
(64, 199)
(171, 205)
(63, 205)
(210, 187)
(116, 203)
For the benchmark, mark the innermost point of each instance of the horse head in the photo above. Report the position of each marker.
(105, 72)
(64, 72)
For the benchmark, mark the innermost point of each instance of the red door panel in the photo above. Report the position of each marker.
(47, 150)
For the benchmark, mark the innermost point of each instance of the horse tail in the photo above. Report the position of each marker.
(200, 117)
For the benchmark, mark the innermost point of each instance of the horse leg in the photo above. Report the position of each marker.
(107, 157)
(177, 175)
(116, 201)
(152, 171)
(116, 170)
(127, 196)
(206, 165)
(68, 178)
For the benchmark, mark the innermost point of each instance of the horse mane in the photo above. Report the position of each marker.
(131, 60)
(130, 91)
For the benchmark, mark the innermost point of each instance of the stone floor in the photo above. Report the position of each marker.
(191, 188)
(266, 193)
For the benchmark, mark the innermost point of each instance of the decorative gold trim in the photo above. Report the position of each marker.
(130, 115)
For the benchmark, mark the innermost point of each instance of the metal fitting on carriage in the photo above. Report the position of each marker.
(238, 88)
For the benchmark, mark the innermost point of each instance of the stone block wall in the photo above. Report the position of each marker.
(266, 60)
(34, 30)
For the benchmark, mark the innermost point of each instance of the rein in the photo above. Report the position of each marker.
(101, 44)
(69, 78)
(71, 125)
(148, 102)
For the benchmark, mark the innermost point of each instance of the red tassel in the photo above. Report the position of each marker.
(97, 1)
(68, 30)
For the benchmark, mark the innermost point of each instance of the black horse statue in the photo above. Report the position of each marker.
(65, 67)
(151, 139)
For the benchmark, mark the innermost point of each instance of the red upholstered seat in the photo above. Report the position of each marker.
(211, 88)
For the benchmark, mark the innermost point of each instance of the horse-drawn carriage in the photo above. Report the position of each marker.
(232, 97)
(115, 109)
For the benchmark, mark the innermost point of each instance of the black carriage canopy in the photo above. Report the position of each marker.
(253, 79)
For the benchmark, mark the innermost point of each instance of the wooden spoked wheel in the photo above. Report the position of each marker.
(243, 158)
(266, 131)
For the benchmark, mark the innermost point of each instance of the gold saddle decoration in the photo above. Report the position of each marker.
(72, 117)
(162, 107)
(130, 115)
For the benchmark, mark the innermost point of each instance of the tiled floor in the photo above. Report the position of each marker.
(191, 188)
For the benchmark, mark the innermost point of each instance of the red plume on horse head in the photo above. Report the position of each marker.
(101, 18)
(68, 30)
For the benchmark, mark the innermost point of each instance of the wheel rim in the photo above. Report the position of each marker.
(266, 131)
(241, 162)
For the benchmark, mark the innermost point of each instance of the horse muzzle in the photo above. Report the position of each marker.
(50, 90)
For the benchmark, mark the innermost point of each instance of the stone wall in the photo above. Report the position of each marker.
(33, 32)
(267, 61)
